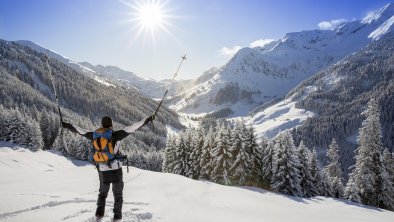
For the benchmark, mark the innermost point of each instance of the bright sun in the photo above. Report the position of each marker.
(149, 17)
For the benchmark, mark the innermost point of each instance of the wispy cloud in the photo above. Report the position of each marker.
(229, 52)
(330, 25)
(261, 42)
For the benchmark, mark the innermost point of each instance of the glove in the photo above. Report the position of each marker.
(66, 125)
(150, 119)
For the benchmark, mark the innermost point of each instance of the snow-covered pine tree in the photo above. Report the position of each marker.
(333, 170)
(196, 150)
(3, 117)
(240, 159)
(386, 195)
(206, 155)
(180, 163)
(351, 192)
(154, 161)
(316, 174)
(286, 176)
(45, 129)
(221, 156)
(307, 184)
(60, 144)
(255, 154)
(33, 138)
(367, 167)
(169, 155)
(15, 127)
(326, 184)
(267, 156)
(188, 149)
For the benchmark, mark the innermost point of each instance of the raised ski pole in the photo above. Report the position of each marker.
(165, 93)
(54, 90)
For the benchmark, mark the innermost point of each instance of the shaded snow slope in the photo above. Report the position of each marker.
(45, 186)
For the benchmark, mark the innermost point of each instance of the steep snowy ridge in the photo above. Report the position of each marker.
(382, 14)
(258, 75)
(45, 186)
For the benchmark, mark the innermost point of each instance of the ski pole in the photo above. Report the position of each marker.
(165, 93)
(54, 90)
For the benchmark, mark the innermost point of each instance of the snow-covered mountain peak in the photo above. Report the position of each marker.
(261, 74)
(386, 27)
(381, 14)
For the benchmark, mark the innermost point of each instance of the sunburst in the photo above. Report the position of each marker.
(149, 18)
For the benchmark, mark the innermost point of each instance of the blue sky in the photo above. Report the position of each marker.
(103, 32)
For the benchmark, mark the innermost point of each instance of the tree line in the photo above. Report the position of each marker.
(230, 154)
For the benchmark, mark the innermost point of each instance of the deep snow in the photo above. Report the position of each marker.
(45, 186)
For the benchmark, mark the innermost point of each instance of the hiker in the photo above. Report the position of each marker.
(108, 163)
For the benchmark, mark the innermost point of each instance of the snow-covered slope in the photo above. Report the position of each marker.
(69, 62)
(108, 75)
(149, 87)
(258, 75)
(279, 117)
(45, 186)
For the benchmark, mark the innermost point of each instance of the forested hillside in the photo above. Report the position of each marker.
(26, 89)
(340, 94)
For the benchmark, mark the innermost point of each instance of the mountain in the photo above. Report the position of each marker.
(149, 87)
(27, 88)
(256, 76)
(330, 104)
(46, 186)
(109, 75)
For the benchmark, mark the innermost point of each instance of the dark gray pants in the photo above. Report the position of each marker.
(106, 178)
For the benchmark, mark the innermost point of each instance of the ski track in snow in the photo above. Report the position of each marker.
(46, 205)
(131, 212)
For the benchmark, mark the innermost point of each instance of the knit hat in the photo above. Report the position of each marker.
(106, 122)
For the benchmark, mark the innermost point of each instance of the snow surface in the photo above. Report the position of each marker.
(278, 117)
(45, 186)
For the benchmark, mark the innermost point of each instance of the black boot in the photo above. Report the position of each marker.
(100, 212)
(117, 216)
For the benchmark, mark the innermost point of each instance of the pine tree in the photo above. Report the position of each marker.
(169, 155)
(3, 117)
(367, 167)
(180, 163)
(316, 174)
(195, 155)
(221, 156)
(188, 149)
(326, 184)
(386, 195)
(268, 154)
(241, 160)
(206, 155)
(60, 144)
(33, 139)
(334, 171)
(255, 154)
(308, 187)
(45, 129)
(286, 176)
(351, 192)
